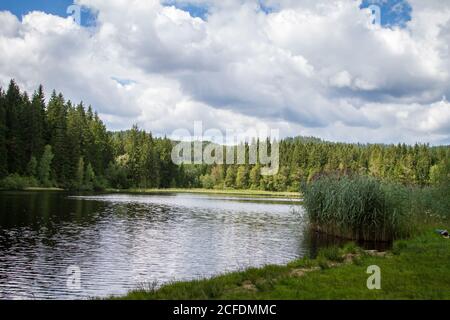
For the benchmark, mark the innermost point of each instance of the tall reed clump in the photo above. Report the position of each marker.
(357, 207)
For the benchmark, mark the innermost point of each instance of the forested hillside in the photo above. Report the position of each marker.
(66, 145)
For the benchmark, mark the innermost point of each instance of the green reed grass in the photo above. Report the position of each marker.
(358, 207)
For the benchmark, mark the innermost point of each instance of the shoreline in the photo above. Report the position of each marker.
(37, 189)
(237, 192)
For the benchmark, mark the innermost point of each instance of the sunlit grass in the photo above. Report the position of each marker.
(238, 192)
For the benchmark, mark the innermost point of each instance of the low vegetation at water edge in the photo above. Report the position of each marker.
(363, 208)
(357, 208)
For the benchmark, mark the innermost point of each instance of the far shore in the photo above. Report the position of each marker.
(39, 189)
(234, 192)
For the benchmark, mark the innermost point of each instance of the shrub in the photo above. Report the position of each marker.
(17, 182)
(323, 263)
(351, 248)
(399, 246)
(331, 253)
(100, 183)
(207, 181)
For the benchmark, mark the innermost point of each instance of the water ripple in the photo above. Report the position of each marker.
(121, 241)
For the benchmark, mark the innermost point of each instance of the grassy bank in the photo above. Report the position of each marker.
(413, 269)
(37, 189)
(234, 192)
(243, 193)
(42, 189)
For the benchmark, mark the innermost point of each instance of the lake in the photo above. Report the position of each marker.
(119, 242)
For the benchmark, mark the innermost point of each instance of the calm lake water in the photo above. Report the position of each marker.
(121, 241)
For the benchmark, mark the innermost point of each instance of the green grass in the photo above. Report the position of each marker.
(358, 207)
(235, 192)
(363, 208)
(43, 189)
(414, 269)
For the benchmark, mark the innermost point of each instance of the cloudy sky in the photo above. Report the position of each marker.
(306, 67)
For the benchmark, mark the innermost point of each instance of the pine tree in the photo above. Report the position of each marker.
(34, 124)
(89, 177)
(25, 153)
(76, 139)
(280, 180)
(3, 149)
(57, 120)
(230, 178)
(13, 134)
(423, 164)
(216, 176)
(96, 141)
(44, 170)
(133, 154)
(242, 177)
(376, 162)
(168, 169)
(80, 174)
(255, 175)
(32, 167)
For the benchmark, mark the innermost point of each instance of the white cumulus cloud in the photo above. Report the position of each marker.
(307, 67)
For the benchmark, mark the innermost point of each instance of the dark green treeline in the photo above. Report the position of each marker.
(66, 145)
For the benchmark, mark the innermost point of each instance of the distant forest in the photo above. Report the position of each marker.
(66, 145)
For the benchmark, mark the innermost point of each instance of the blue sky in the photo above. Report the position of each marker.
(22, 7)
(194, 10)
(393, 12)
(56, 7)
(59, 7)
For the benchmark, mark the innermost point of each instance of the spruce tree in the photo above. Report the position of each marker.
(3, 149)
(80, 174)
(13, 134)
(242, 177)
(75, 139)
(255, 175)
(230, 178)
(35, 124)
(89, 177)
(32, 167)
(44, 170)
(57, 120)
